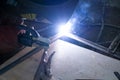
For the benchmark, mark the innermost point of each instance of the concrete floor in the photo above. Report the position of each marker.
(70, 62)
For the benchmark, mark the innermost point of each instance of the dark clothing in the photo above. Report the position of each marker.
(29, 30)
(25, 39)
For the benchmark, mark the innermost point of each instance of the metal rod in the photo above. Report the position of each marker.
(102, 26)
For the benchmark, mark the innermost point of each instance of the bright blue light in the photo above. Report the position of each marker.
(64, 29)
